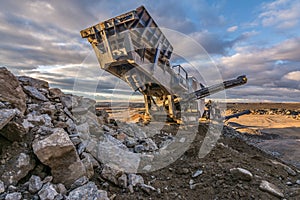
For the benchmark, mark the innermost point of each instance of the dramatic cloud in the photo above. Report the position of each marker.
(42, 39)
(293, 76)
(281, 14)
(269, 69)
(261, 59)
(215, 43)
(47, 32)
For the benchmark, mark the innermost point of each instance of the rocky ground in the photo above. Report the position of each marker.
(54, 146)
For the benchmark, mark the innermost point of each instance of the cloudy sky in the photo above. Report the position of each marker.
(260, 39)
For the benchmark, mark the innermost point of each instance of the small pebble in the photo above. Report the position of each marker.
(191, 182)
(289, 183)
(197, 173)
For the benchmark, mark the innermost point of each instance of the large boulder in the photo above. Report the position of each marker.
(36, 83)
(11, 91)
(111, 151)
(58, 152)
(35, 93)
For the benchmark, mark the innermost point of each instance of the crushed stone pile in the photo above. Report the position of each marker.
(56, 146)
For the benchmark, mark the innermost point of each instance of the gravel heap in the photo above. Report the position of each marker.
(47, 149)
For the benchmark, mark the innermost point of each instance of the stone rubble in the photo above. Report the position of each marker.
(88, 191)
(6, 116)
(14, 131)
(35, 184)
(12, 94)
(79, 182)
(13, 196)
(47, 192)
(134, 179)
(33, 92)
(36, 83)
(22, 162)
(57, 146)
(58, 128)
(111, 174)
(2, 187)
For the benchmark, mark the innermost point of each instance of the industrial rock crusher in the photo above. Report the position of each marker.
(133, 48)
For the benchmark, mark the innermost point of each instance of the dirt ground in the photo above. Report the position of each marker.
(216, 181)
(281, 132)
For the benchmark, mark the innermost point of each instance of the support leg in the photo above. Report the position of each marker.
(147, 107)
(171, 106)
